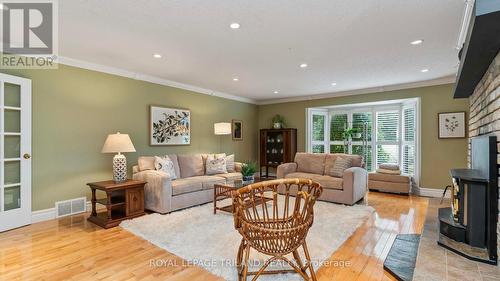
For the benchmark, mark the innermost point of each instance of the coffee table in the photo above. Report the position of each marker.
(225, 191)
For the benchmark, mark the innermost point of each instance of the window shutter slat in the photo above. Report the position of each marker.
(387, 126)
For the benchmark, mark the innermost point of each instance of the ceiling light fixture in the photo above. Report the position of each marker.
(424, 70)
(275, 92)
(235, 79)
(417, 42)
(234, 25)
(334, 84)
(158, 56)
(303, 65)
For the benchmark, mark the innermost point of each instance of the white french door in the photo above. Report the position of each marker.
(15, 152)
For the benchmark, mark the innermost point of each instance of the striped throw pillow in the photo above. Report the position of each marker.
(341, 164)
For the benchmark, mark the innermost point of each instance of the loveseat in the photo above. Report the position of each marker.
(348, 189)
(192, 186)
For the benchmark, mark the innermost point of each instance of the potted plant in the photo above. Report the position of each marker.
(348, 134)
(248, 170)
(278, 122)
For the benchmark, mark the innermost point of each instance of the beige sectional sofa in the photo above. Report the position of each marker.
(345, 190)
(192, 186)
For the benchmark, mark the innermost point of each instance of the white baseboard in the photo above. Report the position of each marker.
(430, 192)
(50, 214)
(43, 215)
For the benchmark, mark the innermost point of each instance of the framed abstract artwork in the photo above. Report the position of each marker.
(451, 125)
(237, 129)
(169, 126)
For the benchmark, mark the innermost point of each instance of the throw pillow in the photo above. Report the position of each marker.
(216, 165)
(230, 163)
(166, 165)
(341, 164)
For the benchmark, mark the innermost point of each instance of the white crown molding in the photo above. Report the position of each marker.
(149, 78)
(433, 82)
(165, 82)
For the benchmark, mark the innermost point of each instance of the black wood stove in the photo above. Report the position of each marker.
(468, 226)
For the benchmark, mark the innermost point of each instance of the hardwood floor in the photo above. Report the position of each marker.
(73, 249)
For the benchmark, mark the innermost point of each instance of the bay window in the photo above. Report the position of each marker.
(381, 132)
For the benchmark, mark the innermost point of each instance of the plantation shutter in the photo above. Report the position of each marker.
(387, 137)
(409, 128)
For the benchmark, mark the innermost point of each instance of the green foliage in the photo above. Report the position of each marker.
(248, 168)
(279, 119)
(318, 127)
(348, 133)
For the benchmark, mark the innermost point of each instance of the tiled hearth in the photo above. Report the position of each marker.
(436, 263)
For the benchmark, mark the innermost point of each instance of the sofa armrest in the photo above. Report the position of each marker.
(157, 191)
(355, 180)
(135, 169)
(237, 166)
(285, 169)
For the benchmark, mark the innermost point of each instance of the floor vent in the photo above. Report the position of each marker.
(70, 207)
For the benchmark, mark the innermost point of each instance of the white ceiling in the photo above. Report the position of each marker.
(357, 44)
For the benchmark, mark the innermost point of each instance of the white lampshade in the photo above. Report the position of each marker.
(222, 128)
(117, 143)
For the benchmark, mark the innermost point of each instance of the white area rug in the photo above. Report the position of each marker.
(210, 241)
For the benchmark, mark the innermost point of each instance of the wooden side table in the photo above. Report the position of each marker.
(123, 201)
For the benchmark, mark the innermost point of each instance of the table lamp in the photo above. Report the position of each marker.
(118, 143)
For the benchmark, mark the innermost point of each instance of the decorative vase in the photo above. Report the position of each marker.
(277, 125)
(248, 179)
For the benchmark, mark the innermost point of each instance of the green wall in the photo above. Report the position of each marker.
(437, 156)
(75, 109)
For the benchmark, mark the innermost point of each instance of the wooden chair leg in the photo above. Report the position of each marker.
(243, 276)
(239, 257)
(296, 256)
(308, 260)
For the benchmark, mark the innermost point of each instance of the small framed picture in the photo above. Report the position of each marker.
(237, 129)
(169, 126)
(451, 125)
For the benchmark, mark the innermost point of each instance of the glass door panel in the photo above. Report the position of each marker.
(12, 95)
(15, 141)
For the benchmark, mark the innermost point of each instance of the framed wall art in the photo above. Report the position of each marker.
(452, 125)
(237, 129)
(169, 126)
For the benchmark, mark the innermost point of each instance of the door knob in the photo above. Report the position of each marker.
(26, 156)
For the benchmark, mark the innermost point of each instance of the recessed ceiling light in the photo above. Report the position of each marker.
(2, 7)
(424, 70)
(275, 92)
(417, 42)
(334, 84)
(158, 56)
(235, 79)
(234, 25)
(303, 65)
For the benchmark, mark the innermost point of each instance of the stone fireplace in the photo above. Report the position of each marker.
(484, 115)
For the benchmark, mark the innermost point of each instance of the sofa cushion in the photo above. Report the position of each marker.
(388, 178)
(166, 165)
(341, 164)
(207, 182)
(146, 163)
(325, 181)
(215, 164)
(230, 163)
(356, 161)
(231, 176)
(191, 165)
(174, 159)
(310, 162)
(181, 186)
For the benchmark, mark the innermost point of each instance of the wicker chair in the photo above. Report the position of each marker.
(275, 225)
